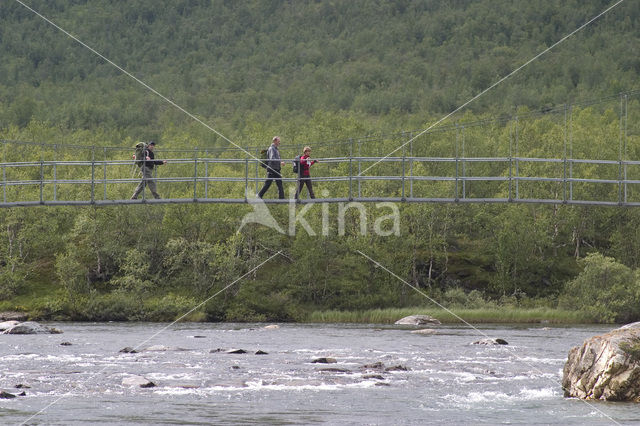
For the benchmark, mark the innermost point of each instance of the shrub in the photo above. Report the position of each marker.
(605, 290)
(632, 348)
(113, 307)
(168, 308)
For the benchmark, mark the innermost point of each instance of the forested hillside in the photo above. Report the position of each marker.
(230, 62)
(318, 72)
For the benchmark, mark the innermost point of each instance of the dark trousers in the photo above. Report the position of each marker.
(271, 176)
(301, 182)
(147, 178)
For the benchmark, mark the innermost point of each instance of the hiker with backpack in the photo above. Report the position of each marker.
(304, 163)
(145, 160)
(273, 165)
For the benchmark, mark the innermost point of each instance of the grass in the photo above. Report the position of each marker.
(481, 315)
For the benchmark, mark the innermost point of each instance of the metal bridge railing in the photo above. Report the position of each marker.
(407, 178)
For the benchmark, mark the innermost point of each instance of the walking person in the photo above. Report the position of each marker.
(274, 164)
(304, 175)
(146, 168)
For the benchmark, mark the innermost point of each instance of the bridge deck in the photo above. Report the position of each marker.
(392, 179)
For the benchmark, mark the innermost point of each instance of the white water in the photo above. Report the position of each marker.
(447, 381)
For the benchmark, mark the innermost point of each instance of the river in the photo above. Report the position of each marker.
(383, 375)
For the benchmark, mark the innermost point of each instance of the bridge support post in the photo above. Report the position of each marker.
(626, 117)
(359, 169)
(457, 189)
(206, 174)
(464, 168)
(403, 171)
(564, 159)
(55, 164)
(93, 176)
(256, 180)
(350, 169)
(510, 187)
(411, 164)
(517, 161)
(195, 174)
(246, 177)
(104, 174)
(41, 181)
(4, 171)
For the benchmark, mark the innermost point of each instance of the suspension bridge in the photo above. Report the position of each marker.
(487, 161)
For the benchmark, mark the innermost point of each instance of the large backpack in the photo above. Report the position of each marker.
(296, 164)
(263, 158)
(141, 148)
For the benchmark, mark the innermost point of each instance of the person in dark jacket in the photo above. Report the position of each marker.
(274, 165)
(146, 168)
(304, 175)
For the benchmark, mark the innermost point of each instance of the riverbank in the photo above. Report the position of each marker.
(387, 316)
(500, 315)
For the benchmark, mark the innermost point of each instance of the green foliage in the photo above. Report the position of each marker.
(73, 276)
(605, 290)
(10, 282)
(632, 348)
(168, 308)
(489, 314)
(135, 274)
(113, 307)
(225, 61)
(318, 71)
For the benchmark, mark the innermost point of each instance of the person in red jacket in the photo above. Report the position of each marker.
(304, 176)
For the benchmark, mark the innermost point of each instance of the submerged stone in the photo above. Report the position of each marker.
(378, 366)
(397, 368)
(324, 360)
(426, 331)
(138, 381)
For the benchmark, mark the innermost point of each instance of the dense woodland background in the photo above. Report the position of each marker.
(318, 72)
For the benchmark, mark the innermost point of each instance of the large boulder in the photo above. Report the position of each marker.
(417, 320)
(5, 325)
(31, 327)
(605, 367)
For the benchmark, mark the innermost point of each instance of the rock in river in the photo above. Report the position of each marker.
(417, 320)
(605, 367)
(425, 331)
(8, 324)
(324, 360)
(137, 381)
(30, 327)
(490, 341)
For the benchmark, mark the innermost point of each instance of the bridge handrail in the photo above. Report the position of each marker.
(456, 175)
